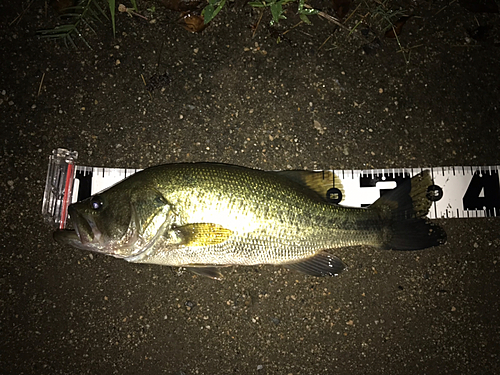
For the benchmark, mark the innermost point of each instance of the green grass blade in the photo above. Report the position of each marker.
(89, 26)
(112, 8)
(96, 5)
(256, 4)
(71, 41)
(210, 11)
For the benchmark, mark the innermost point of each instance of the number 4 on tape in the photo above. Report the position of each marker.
(483, 193)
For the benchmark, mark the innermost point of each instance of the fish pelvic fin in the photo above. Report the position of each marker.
(403, 212)
(211, 272)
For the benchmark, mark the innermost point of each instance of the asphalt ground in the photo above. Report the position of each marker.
(321, 98)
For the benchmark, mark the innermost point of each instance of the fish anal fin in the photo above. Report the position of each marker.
(321, 264)
(203, 234)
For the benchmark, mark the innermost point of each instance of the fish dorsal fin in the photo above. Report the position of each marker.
(322, 264)
(202, 234)
(326, 184)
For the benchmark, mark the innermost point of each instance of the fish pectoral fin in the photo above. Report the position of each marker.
(207, 271)
(203, 234)
(322, 264)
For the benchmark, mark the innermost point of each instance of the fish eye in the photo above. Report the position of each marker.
(96, 202)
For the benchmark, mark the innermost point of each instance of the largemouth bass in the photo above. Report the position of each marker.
(204, 216)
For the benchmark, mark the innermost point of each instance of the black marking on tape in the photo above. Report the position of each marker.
(334, 195)
(434, 193)
(485, 182)
(370, 181)
(85, 186)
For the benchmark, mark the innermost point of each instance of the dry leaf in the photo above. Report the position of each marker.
(341, 7)
(192, 22)
(397, 27)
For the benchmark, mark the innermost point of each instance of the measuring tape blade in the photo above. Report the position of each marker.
(457, 192)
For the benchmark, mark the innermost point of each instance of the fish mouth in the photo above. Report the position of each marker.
(85, 228)
(85, 234)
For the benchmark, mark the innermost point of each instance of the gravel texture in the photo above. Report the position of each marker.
(310, 101)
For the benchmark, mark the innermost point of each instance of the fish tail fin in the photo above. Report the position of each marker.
(403, 212)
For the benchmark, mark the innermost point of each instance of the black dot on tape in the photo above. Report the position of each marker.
(434, 193)
(334, 195)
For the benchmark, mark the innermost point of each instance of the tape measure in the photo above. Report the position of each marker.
(457, 192)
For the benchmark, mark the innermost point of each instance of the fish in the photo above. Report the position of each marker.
(205, 216)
